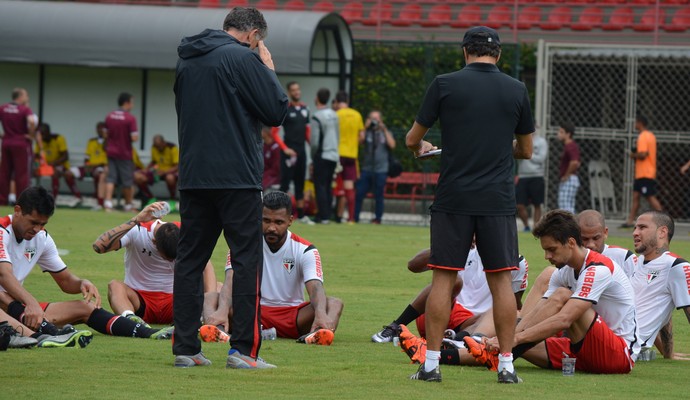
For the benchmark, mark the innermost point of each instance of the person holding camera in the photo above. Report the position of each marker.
(378, 141)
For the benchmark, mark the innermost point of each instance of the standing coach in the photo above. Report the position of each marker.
(481, 111)
(224, 91)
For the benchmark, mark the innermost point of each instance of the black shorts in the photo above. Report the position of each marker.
(645, 186)
(451, 239)
(530, 191)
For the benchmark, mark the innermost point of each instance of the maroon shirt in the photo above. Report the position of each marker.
(571, 152)
(121, 125)
(14, 123)
(271, 165)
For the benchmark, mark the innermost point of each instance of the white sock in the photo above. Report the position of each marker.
(127, 312)
(12, 198)
(108, 204)
(505, 361)
(432, 358)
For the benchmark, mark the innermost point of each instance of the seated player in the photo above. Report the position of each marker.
(57, 155)
(471, 310)
(15, 335)
(290, 264)
(589, 297)
(96, 163)
(165, 157)
(593, 232)
(150, 246)
(660, 282)
(471, 293)
(26, 244)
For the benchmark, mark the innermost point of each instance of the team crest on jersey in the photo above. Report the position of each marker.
(29, 253)
(289, 264)
(651, 276)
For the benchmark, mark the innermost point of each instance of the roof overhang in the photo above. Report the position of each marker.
(132, 36)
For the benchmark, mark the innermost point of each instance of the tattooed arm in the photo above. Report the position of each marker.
(664, 340)
(110, 240)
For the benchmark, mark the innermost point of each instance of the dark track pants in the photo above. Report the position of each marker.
(204, 214)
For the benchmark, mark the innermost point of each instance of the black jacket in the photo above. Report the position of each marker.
(223, 93)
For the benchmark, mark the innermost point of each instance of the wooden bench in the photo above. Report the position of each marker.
(413, 186)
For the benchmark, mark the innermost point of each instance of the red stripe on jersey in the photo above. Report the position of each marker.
(594, 258)
(5, 221)
(3, 253)
(317, 258)
(147, 225)
(299, 239)
(674, 255)
(178, 223)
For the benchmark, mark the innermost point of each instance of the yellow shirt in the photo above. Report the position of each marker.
(95, 153)
(137, 161)
(55, 149)
(350, 124)
(646, 168)
(166, 159)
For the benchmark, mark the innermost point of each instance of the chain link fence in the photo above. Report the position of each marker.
(601, 89)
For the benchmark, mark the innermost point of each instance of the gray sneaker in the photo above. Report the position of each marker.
(197, 360)
(21, 342)
(386, 334)
(163, 334)
(508, 377)
(431, 376)
(238, 360)
(73, 339)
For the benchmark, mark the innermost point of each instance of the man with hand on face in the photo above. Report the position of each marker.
(224, 92)
(291, 264)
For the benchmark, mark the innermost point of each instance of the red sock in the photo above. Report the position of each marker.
(72, 184)
(56, 186)
(350, 196)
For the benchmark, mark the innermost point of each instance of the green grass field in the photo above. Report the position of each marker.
(365, 266)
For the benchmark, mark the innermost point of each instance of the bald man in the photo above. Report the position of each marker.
(594, 232)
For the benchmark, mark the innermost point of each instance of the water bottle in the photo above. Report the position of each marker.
(163, 211)
(269, 334)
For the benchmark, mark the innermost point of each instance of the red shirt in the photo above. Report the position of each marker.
(571, 152)
(14, 123)
(121, 126)
(271, 165)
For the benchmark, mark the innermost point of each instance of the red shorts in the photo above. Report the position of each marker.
(158, 307)
(284, 319)
(458, 315)
(349, 172)
(602, 352)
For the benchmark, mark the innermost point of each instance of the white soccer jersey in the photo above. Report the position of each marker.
(475, 294)
(145, 269)
(623, 257)
(660, 285)
(26, 254)
(602, 282)
(286, 271)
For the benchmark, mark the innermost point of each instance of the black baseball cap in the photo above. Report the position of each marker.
(480, 34)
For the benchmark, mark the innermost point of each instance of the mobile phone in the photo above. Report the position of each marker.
(432, 153)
